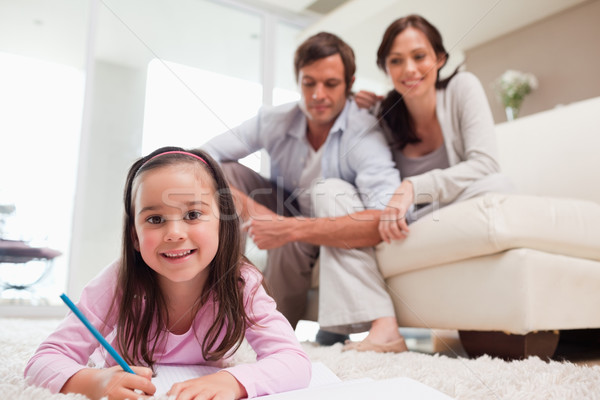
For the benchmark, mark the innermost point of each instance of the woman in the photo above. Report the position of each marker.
(441, 131)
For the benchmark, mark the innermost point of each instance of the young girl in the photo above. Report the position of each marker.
(180, 294)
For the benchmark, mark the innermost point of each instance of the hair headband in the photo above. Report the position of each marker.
(177, 152)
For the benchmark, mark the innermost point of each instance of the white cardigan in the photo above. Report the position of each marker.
(468, 128)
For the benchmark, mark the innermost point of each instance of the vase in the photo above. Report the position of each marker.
(511, 113)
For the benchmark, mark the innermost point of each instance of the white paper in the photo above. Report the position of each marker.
(321, 376)
(395, 388)
(324, 385)
(167, 375)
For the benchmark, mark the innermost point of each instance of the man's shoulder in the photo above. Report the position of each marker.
(363, 134)
(275, 120)
(281, 112)
(360, 120)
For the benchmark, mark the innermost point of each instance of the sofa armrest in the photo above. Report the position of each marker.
(493, 223)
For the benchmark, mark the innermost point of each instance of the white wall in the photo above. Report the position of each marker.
(561, 51)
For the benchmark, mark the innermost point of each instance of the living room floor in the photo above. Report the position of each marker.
(447, 342)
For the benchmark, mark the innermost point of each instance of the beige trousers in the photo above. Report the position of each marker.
(352, 292)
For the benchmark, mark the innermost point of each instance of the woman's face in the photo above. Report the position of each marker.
(413, 65)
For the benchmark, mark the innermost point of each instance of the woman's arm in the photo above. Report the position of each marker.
(393, 224)
(469, 132)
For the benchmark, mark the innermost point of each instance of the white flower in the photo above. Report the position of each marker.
(513, 85)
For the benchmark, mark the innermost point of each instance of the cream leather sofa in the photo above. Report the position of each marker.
(509, 271)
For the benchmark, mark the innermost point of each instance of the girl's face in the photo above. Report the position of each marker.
(176, 222)
(413, 65)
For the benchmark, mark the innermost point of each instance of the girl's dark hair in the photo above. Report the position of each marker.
(139, 302)
(393, 109)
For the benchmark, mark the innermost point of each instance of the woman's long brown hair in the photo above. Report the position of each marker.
(139, 302)
(393, 111)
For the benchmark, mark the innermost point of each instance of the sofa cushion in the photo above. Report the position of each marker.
(516, 291)
(493, 223)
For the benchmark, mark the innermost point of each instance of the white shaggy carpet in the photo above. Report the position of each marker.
(483, 378)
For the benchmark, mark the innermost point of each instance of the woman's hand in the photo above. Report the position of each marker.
(365, 99)
(113, 383)
(392, 223)
(218, 386)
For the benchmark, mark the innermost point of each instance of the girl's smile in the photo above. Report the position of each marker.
(178, 254)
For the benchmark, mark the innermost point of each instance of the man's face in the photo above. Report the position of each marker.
(323, 90)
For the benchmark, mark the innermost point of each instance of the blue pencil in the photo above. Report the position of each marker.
(97, 334)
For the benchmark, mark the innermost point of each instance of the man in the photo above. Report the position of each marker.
(328, 158)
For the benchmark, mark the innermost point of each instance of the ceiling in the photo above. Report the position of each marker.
(464, 24)
(132, 30)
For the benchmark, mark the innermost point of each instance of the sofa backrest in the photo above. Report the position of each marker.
(555, 152)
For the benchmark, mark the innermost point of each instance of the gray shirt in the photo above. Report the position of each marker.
(412, 166)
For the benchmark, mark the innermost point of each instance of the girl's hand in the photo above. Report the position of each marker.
(365, 99)
(392, 223)
(113, 383)
(218, 386)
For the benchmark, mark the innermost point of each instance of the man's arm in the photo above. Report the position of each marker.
(235, 143)
(358, 229)
(248, 208)
(349, 231)
(269, 230)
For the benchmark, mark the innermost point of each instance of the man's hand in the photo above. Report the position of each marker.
(392, 223)
(272, 231)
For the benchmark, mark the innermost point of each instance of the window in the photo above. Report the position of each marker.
(187, 106)
(285, 89)
(41, 106)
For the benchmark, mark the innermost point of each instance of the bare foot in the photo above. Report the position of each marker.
(383, 337)
(384, 330)
(396, 346)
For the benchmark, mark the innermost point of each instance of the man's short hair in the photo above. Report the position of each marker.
(323, 45)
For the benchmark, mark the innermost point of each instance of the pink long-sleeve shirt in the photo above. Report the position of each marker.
(281, 363)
